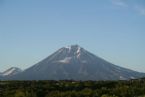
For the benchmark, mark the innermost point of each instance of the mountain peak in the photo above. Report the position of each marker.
(70, 47)
(73, 50)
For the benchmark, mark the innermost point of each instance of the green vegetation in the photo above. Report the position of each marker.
(132, 88)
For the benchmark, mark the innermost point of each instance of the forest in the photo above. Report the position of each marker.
(70, 88)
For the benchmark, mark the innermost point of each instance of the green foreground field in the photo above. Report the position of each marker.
(132, 88)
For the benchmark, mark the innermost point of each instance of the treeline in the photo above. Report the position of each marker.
(132, 88)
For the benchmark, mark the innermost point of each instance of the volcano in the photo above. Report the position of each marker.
(75, 63)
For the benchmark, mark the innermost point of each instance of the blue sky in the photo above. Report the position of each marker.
(31, 30)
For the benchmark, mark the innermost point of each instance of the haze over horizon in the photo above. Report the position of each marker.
(31, 30)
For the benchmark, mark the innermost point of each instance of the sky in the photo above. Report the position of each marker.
(31, 30)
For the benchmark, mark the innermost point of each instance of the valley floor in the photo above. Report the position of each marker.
(132, 88)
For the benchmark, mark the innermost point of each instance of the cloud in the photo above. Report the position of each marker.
(119, 3)
(140, 9)
(136, 7)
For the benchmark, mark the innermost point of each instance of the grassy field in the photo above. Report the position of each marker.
(132, 88)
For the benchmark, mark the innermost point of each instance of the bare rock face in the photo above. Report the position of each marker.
(74, 62)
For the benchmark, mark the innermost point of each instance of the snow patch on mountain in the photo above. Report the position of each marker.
(65, 60)
(78, 52)
(132, 77)
(79, 49)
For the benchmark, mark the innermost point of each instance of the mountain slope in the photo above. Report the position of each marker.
(0, 74)
(74, 62)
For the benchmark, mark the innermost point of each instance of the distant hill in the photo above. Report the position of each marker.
(10, 72)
